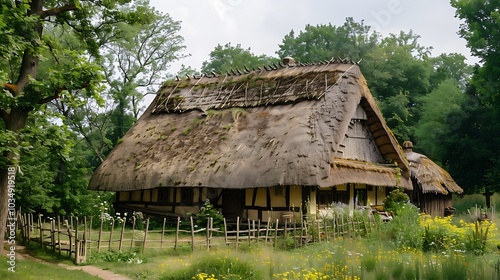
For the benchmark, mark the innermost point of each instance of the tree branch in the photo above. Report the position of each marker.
(13, 89)
(56, 11)
(55, 96)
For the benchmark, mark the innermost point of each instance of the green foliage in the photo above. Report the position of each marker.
(323, 42)
(477, 241)
(477, 139)
(227, 57)
(217, 268)
(441, 112)
(206, 212)
(396, 200)
(115, 256)
(405, 229)
(397, 68)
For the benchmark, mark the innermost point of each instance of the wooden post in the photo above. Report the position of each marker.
(133, 233)
(80, 244)
(145, 235)
(53, 234)
(30, 228)
(192, 233)
(276, 232)
(40, 227)
(249, 233)
(294, 232)
(237, 231)
(325, 226)
(59, 232)
(267, 228)
(225, 232)
(257, 232)
(208, 234)
(121, 237)
(177, 232)
(162, 232)
(77, 243)
(111, 232)
(99, 237)
(90, 236)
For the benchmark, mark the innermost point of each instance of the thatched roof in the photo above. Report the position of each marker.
(281, 125)
(430, 176)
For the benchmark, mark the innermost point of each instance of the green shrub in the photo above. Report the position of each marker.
(405, 228)
(208, 211)
(477, 239)
(395, 200)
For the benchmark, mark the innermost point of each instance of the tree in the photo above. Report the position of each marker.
(481, 30)
(229, 58)
(138, 58)
(396, 67)
(441, 112)
(37, 69)
(323, 42)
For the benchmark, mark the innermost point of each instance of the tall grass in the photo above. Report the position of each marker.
(464, 203)
(411, 246)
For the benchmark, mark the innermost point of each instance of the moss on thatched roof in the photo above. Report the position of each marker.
(430, 176)
(276, 126)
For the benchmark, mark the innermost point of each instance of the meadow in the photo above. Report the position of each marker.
(411, 246)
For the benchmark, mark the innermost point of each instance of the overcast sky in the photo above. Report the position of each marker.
(261, 25)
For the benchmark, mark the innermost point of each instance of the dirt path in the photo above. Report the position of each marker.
(23, 254)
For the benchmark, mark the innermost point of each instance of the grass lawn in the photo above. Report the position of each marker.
(29, 269)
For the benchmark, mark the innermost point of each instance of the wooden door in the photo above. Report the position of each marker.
(233, 202)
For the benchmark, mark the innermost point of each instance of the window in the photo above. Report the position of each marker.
(163, 195)
(328, 197)
(187, 196)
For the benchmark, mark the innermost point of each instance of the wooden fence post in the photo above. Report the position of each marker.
(40, 228)
(192, 232)
(276, 232)
(225, 232)
(99, 237)
(145, 235)
(111, 232)
(237, 231)
(133, 233)
(53, 234)
(121, 237)
(89, 241)
(267, 229)
(208, 231)
(70, 237)
(177, 232)
(249, 232)
(162, 232)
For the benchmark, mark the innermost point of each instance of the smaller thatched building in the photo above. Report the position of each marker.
(258, 144)
(432, 185)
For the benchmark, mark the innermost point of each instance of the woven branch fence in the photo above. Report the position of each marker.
(76, 237)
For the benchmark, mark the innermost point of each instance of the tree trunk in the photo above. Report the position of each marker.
(15, 122)
(487, 195)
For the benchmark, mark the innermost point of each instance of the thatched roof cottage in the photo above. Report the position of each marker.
(432, 185)
(257, 143)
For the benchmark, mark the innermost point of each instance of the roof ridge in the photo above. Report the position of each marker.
(269, 67)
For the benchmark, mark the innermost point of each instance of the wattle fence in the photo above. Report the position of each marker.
(76, 237)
